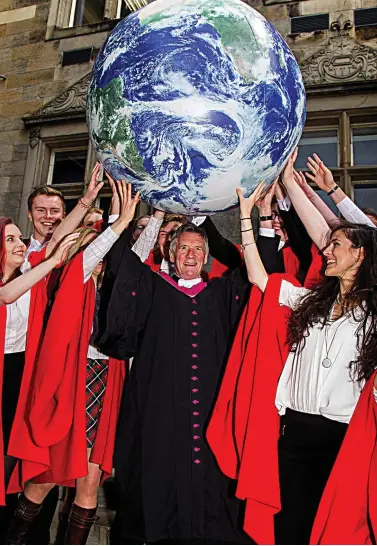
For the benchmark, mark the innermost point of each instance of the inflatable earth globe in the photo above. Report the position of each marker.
(190, 99)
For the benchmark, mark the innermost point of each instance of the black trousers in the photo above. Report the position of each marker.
(308, 446)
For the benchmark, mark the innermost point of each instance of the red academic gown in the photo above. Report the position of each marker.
(49, 435)
(244, 430)
(38, 301)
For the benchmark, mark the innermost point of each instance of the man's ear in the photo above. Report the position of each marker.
(29, 216)
(206, 258)
(172, 257)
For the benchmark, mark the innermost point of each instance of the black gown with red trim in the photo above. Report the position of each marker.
(171, 485)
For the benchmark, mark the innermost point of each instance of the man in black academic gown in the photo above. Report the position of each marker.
(180, 331)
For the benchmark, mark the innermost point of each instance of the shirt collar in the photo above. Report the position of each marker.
(36, 244)
(189, 283)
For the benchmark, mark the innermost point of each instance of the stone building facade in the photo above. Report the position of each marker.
(47, 49)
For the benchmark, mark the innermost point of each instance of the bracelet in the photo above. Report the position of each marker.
(244, 230)
(333, 190)
(265, 218)
(246, 218)
(83, 205)
(247, 244)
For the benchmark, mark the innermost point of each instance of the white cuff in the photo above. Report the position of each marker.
(198, 220)
(113, 218)
(285, 204)
(266, 232)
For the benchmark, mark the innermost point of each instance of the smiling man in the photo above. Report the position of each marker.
(46, 210)
(179, 329)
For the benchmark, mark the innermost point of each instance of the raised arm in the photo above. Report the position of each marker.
(331, 218)
(75, 217)
(148, 237)
(323, 178)
(312, 219)
(255, 269)
(220, 248)
(98, 249)
(13, 290)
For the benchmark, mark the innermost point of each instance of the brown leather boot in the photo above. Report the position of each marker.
(80, 521)
(23, 517)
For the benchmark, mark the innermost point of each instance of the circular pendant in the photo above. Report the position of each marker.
(326, 363)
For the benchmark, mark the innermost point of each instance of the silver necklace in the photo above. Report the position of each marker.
(327, 362)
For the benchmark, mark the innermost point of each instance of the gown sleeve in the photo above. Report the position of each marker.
(223, 250)
(126, 299)
(291, 295)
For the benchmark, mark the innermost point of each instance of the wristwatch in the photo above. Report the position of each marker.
(333, 189)
(265, 218)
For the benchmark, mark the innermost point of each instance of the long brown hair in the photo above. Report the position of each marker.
(315, 307)
(76, 247)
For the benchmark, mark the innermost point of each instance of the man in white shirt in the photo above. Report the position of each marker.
(46, 209)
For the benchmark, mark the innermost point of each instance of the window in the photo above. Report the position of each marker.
(365, 17)
(329, 202)
(310, 23)
(85, 12)
(322, 142)
(364, 145)
(366, 196)
(67, 166)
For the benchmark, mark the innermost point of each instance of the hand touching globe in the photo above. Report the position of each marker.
(190, 99)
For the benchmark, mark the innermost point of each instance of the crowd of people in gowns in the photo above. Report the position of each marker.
(234, 403)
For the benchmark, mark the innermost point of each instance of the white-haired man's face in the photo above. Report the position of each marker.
(189, 256)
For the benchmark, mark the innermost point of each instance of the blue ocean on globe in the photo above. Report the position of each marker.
(190, 99)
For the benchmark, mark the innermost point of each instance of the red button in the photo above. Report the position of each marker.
(196, 449)
(196, 437)
(194, 378)
(194, 345)
(194, 334)
(194, 312)
(195, 402)
(197, 461)
(194, 367)
(194, 323)
(195, 413)
(196, 425)
(195, 390)
(194, 355)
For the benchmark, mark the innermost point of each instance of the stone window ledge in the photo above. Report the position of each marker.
(61, 33)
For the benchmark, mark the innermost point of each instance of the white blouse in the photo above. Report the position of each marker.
(305, 384)
(18, 311)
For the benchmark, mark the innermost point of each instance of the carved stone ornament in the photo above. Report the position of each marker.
(69, 104)
(342, 60)
(34, 135)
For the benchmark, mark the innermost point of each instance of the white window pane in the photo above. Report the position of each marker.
(366, 196)
(68, 166)
(364, 145)
(322, 143)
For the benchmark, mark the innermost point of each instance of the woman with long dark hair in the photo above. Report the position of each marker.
(313, 382)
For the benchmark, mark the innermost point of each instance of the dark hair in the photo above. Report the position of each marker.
(44, 190)
(316, 306)
(188, 228)
(4, 222)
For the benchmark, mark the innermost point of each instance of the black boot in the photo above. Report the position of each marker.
(80, 521)
(23, 517)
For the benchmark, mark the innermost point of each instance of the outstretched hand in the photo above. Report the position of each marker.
(247, 203)
(95, 185)
(127, 202)
(302, 182)
(115, 200)
(265, 200)
(61, 252)
(287, 175)
(320, 174)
